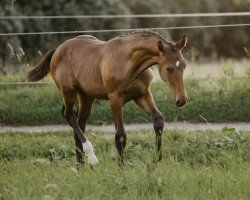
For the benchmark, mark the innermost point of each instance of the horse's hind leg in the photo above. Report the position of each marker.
(85, 106)
(78, 144)
(84, 110)
(69, 99)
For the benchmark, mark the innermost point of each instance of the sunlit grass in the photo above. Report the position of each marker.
(200, 165)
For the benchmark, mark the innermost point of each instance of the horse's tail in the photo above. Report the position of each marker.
(42, 69)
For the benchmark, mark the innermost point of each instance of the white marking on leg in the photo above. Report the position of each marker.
(88, 150)
(177, 63)
(121, 139)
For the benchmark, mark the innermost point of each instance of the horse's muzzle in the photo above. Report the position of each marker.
(181, 102)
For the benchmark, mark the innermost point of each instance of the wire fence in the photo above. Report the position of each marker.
(189, 15)
(177, 15)
(126, 30)
(188, 78)
(26, 83)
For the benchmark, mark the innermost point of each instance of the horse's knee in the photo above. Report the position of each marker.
(158, 121)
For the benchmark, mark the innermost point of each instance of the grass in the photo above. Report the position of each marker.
(200, 165)
(216, 100)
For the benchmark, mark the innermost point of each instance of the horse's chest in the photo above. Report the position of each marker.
(135, 90)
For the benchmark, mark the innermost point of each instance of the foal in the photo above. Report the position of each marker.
(85, 68)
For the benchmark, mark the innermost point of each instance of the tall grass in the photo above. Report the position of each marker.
(216, 100)
(200, 165)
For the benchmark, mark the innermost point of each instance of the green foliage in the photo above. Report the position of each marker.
(16, 104)
(20, 51)
(32, 46)
(42, 166)
(248, 69)
(216, 100)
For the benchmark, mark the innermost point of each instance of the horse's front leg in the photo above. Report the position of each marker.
(158, 121)
(146, 102)
(116, 104)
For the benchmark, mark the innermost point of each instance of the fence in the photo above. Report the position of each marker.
(186, 15)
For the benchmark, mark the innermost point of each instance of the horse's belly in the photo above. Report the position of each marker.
(101, 96)
(94, 91)
(132, 92)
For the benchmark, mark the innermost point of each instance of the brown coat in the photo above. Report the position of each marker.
(85, 68)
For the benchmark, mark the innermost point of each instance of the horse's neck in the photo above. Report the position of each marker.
(143, 55)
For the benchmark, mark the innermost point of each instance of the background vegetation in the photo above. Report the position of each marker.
(216, 100)
(204, 165)
(201, 164)
(18, 52)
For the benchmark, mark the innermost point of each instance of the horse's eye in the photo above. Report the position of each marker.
(170, 70)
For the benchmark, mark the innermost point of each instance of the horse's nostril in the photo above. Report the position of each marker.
(180, 103)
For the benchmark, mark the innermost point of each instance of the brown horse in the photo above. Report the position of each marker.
(85, 68)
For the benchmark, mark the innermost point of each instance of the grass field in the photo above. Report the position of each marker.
(223, 99)
(195, 165)
(217, 100)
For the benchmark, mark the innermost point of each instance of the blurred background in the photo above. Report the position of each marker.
(209, 44)
(214, 54)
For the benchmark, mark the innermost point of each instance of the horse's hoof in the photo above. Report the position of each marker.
(93, 161)
(88, 150)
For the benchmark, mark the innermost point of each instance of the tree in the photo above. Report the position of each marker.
(222, 42)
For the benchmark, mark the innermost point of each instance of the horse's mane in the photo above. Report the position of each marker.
(145, 33)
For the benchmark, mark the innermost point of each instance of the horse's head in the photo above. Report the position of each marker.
(171, 68)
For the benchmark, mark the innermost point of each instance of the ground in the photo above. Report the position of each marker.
(241, 126)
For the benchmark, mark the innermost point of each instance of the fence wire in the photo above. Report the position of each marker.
(187, 78)
(168, 15)
(126, 30)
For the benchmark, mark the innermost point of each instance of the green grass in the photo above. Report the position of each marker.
(217, 100)
(195, 165)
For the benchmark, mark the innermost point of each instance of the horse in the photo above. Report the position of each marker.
(85, 68)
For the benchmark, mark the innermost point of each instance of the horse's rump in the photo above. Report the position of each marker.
(76, 63)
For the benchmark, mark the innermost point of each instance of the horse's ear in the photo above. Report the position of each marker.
(182, 42)
(160, 46)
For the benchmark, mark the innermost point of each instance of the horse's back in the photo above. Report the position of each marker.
(73, 51)
(86, 37)
(76, 64)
